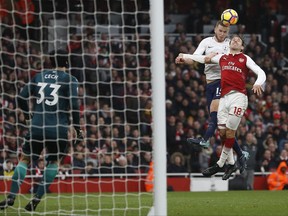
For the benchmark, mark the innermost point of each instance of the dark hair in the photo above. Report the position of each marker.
(239, 36)
(59, 58)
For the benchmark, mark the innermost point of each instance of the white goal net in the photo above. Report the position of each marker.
(108, 42)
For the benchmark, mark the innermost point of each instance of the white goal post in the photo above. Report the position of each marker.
(116, 51)
(159, 125)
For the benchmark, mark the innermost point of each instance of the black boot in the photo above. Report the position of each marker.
(211, 170)
(230, 169)
(7, 202)
(31, 206)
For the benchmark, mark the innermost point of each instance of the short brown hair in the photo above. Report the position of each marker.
(219, 22)
(239, 36)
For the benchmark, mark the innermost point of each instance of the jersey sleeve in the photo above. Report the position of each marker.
(197, 58)
(74, 103)
(261, 76)
(201, 48)
(216, 59)
(201, 58)
(24, 96)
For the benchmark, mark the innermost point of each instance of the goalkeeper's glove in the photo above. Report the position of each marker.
(28, 120)
(79, 137)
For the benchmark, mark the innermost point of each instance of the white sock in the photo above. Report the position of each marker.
(223, 157)
(230, 158)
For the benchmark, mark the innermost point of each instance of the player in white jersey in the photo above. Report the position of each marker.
(235, 68)
(219, 43)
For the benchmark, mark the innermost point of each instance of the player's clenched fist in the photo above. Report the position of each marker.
(179, 59)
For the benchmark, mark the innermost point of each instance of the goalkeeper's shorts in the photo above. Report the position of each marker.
(55, 148)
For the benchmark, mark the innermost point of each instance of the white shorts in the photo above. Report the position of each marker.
(231, 109)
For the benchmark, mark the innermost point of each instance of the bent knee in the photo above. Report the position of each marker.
(230, 133)
(222, 133)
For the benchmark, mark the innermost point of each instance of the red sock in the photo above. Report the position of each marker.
(229, 142)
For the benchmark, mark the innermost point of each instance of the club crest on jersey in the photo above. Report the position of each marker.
(241, 60)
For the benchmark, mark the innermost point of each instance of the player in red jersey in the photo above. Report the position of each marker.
(233, 102)
(218, 43)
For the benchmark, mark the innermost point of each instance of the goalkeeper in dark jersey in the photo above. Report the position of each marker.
(54, 94)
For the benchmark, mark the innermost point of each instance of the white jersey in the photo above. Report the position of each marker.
(210, 45)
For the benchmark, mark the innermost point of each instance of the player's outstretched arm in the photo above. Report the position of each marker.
(212, 58)
(180, 60)
(261, 76)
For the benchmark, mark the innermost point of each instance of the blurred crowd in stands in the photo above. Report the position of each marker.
(115, 93)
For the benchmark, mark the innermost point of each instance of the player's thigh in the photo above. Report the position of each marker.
(222, 114)
(213, 94)
(238, 103)
(56, 149)
(32, 147)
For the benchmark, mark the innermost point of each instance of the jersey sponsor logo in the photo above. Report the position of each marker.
(231, 67)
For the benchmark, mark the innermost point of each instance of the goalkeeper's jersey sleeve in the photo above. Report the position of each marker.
(54, 95)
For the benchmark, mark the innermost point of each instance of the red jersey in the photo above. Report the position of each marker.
(233, 73)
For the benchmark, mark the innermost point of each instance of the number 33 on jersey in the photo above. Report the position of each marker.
(53, 93)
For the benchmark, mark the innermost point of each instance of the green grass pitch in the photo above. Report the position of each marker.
(231, 203)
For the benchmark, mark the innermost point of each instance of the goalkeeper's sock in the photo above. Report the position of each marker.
(211, 126)
(48, 177)
(17, 179)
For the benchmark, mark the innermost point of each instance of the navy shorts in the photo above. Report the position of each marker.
(55, 148)
(213, 91)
